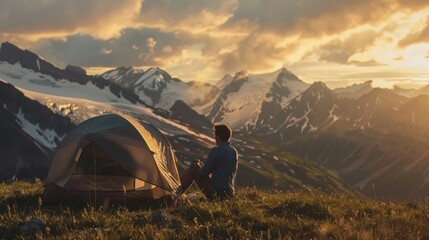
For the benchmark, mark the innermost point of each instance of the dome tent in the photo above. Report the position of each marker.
(114, 157)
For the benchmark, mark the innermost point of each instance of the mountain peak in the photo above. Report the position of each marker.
(287, 75)
(355, 91)
(226, 76)
(75, 70)
(12, 54)
(319, 86)
(156, 69)
(225, 80)
(241, 74)
(377, 93)
(125, 68)
(284, 70)
(355, 86)
(9, 44)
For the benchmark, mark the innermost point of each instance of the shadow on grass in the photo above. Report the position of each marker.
(296, 208)
(20, 202)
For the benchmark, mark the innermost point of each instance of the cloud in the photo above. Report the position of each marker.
(414, 4)
(134, 47)
(306, 17)
(105, 51)
(105, 18)
(39, 18)
(167, 49)
(255, 53)
(386, 75)
(150, 45)
(368, 63)
(150, 48)
(341, 51)
(189, 14)
(419, 36)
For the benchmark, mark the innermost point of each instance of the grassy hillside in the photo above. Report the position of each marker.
(264, 166)
(253, 214)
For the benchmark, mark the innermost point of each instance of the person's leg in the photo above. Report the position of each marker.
(206, 186)
(187, 177)
(193, 174)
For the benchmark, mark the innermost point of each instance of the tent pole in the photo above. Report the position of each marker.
(95, 177)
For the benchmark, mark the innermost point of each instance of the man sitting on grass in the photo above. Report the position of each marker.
(216, 177)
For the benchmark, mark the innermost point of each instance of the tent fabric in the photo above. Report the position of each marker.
(55, 194)
(137, 147)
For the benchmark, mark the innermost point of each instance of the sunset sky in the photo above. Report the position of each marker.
(339, 42)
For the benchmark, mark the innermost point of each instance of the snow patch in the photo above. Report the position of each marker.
(150, 80)
(251, 147)
(45, 137)
(295, 89)
(184, 139)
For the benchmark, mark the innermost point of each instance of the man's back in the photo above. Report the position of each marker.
(222, 162)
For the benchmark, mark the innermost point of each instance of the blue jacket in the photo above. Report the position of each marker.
(222, 163)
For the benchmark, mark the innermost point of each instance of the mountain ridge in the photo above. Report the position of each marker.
(12, 54)
(159, 89)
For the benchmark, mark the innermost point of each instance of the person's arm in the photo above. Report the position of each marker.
(209, 165)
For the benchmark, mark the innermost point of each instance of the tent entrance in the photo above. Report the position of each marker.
(93, 160)
(96, 169)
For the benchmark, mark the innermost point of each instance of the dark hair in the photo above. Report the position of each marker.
(224, 132)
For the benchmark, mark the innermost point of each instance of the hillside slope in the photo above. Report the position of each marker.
(252, 214)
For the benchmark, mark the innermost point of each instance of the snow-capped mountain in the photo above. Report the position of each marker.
(158, 89)
(377, 143)
(354, 91)
(314, 108)
(250, 98)
(29, 132)
(18, 64)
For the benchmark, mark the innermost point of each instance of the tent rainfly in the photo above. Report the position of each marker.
(112, 157)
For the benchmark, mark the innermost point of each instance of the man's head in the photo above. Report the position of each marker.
(222, 133)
